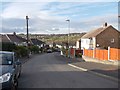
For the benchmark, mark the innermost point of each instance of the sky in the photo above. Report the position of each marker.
(49, 17)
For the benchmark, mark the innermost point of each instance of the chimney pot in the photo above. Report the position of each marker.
(105, 24)
(14, 33)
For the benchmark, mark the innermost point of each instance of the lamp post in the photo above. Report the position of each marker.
(68, 36)
(27, 34)
(68, 30)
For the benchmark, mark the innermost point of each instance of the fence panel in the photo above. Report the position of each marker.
(101, 54)
(119, 54)
(105, 55)
(88, 53)
(97, 54)
(85, 52)
(72, 51)
(91, 53)
(114, 54)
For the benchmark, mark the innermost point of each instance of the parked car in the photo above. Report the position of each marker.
(56, 49)
(10, 70)
(49, 51)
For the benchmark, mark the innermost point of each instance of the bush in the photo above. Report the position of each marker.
(63, 50)
(78, 55)
(34, 49)
(21, 51)
(7, 46)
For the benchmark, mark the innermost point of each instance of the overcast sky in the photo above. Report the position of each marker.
(49, 17)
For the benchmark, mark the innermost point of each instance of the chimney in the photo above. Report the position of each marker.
(14, 33)
(105, 24)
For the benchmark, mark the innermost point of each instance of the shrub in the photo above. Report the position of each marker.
(63, 50)
(7, 46)
(78, 55)
(34, 49)
(21, 51)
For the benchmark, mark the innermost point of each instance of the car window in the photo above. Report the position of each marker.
(6, 59)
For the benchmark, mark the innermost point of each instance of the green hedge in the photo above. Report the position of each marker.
(34, 49)
(7, 46)
(22, 51)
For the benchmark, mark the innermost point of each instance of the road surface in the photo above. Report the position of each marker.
(51, 71)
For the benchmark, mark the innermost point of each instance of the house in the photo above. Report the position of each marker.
(102, 37)
(13, 38)
(78, 44)
(66, 44)
(37, 42)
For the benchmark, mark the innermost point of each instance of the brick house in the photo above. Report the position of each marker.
(102, 37)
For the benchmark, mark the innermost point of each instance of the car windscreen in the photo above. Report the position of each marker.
(6, 59)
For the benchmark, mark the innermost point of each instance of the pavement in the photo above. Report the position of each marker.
(109, 62)
(101, 69)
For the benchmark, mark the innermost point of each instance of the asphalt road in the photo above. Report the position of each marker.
(51, 71)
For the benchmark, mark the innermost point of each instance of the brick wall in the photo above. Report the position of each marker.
(105, 38)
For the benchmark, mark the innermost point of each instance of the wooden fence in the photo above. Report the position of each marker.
(73, 52)
(114, 54)
(101, 54)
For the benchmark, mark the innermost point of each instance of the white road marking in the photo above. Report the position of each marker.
(83, 69)
(99, 74)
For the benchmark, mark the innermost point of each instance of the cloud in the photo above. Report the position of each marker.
(49, 17)
(20, 9)
(61, 1)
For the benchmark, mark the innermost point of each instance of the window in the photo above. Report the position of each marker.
(6, 59)
(112, 40)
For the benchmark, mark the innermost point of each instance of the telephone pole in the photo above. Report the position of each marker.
(27, 30)
(27, 36)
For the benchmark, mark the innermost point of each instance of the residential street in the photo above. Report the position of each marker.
(51, 70)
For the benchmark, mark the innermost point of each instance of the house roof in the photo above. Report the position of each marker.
(36, 41)
(95, 32)
(15, 38)
(4, 38)
(12, 38)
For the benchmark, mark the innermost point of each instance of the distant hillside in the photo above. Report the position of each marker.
(57, 38)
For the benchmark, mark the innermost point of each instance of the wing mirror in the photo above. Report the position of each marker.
(18, 63)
